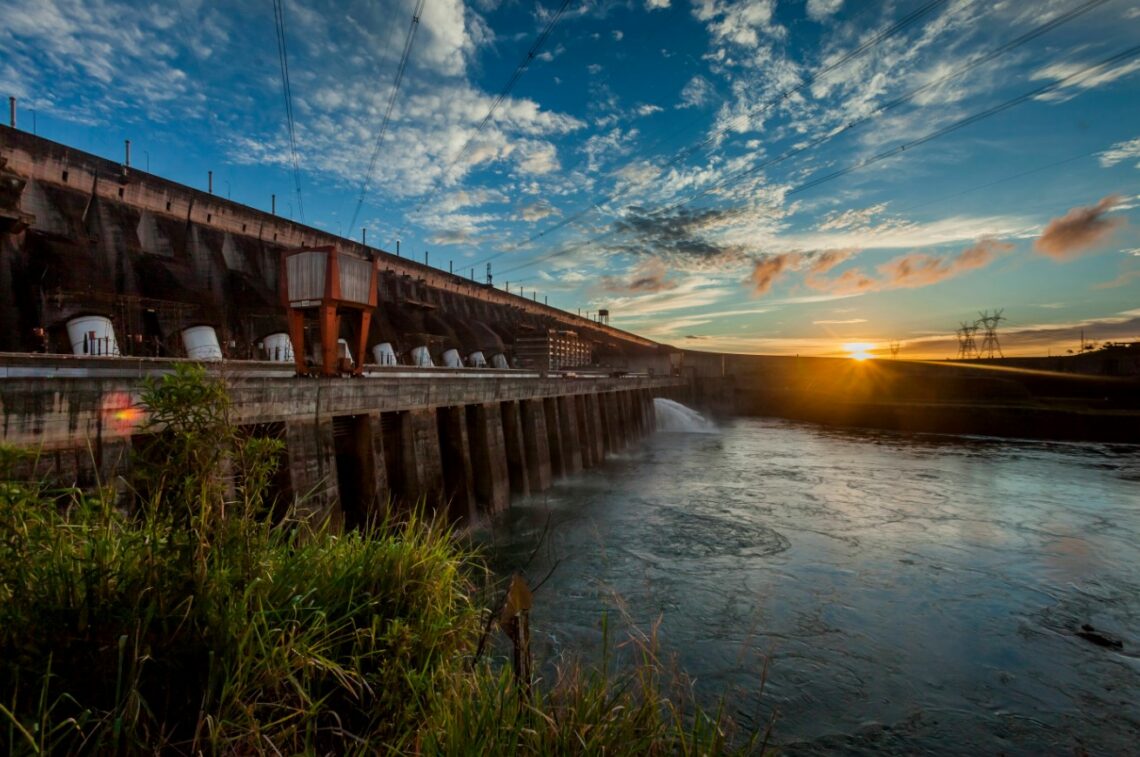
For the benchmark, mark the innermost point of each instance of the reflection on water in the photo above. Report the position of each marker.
(911, 593)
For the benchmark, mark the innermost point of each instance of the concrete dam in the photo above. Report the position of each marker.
(462, 392)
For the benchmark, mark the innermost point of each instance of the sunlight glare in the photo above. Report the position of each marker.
(859, 350)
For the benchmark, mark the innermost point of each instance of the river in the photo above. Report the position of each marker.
(908, 593)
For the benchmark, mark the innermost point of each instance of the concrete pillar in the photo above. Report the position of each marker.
(516, 447)
(616, 421)
(554, 436)
(369, 445)
(455, 459)
(652, 411)
(571, 442)
(596, 438)
(489, 456)
(312, 466)
(605, 420)
(585, 441)
(420, 458)
(637, 399)
(537, 445)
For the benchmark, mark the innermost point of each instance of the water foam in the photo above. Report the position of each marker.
(675, 417)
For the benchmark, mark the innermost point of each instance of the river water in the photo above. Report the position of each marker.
(908, 593)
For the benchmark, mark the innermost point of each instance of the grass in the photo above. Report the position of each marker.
(189, 622)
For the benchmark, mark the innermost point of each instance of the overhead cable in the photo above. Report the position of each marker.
(287, 93)
(408, 41)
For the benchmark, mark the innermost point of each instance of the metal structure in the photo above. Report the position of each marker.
(967, 346)
(990, 343)
(331, 283)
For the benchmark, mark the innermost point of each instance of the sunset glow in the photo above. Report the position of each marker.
(859, 350)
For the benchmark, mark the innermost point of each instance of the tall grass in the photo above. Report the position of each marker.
(187, 622)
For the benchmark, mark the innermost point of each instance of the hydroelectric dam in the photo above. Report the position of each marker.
(416, 383)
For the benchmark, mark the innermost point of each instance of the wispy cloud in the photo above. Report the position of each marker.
(1120, 152)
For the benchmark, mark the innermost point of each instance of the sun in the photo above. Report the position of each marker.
(859, 350)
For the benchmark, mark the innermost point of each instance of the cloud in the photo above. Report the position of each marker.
(654, 5)
(769, 268)
(1078, 230)
(1120, 152)
(696, 92)
(919, 269)
(1095, 77)
(536, 211)
(910, 271)
(840, 323)
(851, 218)
(683, 237)
(820, 10)
(648, 276)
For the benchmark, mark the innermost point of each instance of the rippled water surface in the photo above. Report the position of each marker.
(910, 593)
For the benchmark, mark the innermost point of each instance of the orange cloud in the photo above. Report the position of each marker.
(919, 269)
(1078, 230)
(916, 269)
(770, 268)
(766, 270)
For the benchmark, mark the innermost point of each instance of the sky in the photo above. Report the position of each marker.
(769, 176)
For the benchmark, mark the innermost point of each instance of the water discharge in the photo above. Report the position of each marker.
(910, 594)
(675, 417)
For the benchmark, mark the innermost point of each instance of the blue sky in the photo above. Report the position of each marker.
(744, 176)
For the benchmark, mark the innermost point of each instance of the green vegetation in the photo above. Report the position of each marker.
(190, 623)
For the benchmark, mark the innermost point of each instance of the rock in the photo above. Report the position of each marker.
(1100, 638)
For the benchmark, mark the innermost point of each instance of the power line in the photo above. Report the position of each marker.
(531, 54)
(898, 149)
(408, 41)
(287, 93)
(756, 110)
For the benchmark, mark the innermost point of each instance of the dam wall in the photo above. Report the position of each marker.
(467, 438)
(82, 235)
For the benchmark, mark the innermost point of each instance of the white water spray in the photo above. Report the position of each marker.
(675, 417)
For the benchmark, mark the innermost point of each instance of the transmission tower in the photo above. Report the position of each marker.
(990, 343)
(895, 347)
(967, 347)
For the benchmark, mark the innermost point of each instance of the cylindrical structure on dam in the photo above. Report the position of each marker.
(201, 343)
(476, 359)
(499, 360)
(421, 357)
(383, 354)
(451, 359)
(92, 335)
(278, 348)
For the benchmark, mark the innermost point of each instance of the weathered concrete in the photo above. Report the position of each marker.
(585, 442)
(595, 433)
(455, 456)
(489, 456)
(422, 466)
(516, 447)
(554, 436)
(571, 443)
(537, 445)
(312, 464)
